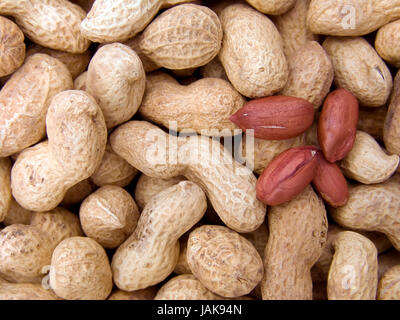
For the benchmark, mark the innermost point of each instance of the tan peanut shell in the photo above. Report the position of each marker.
(109, 216)
(387, 43)
(389, 285)
(367, 162)
(359, 69)
(372, 120)
(252, 52)
(387, 260)
(57, 225)
(12, 47)
(134, 44)
(113, 170)
(185, 36)
(372, 208)
(50, 23)
(76, 131)
(185, 287)
(25, 99)
(17, 215)
(320, 270)
(204, 106)
(150, 254)
(391, 128)
(80, 82)
(224, 261)
(26, 291)
(24, 251)
(78, 192)
(110, 21)
(80, 270)
(75, 62)
(292, 26)
(116, 79)
(147, 187)
(5, 187)
(350, 17)
(264, 151)
(310, 74)
(144, 294)
(353, 274)
(273, 7)
(297, 236)
(230, 187)
(311, 135)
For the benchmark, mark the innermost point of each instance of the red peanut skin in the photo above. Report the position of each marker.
(275, 117)
(287, 175)
(337, 124)
(330, 182)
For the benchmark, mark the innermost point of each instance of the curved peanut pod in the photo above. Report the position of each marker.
(275, 117)
(185, 287)
(179, 48)
(12, 47)
(230, 187)
(337, 124)
(330, 182)
(77, 138)
(292, 26)
(359, 69)
(116, 79)
(353, 274)
(387, 43)
(287, 175)
(5, 187)
(224, 261)
(24, 101)
(256, 68)
(150, 254)
(350, 17)
(367, 162)
(391, 128)
(203, 106)
(298, 231)
(116, 21)
(382, 214)
(50, 23)
(389, 285)
(320, 270)
(310, 74)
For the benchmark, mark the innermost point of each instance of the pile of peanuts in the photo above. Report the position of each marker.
(199, 150)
